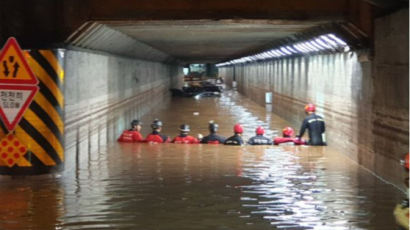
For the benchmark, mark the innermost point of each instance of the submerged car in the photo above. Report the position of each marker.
(205, 89)
(207, 94)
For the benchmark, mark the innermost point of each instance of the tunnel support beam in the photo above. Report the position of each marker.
(37, 24)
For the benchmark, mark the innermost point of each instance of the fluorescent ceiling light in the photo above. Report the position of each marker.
(319, 43)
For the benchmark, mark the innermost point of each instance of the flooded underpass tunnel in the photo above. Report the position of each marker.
(75, 74)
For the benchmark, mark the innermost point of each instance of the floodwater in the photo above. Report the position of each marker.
(169, 186)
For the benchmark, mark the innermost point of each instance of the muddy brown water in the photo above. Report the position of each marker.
(170, 186)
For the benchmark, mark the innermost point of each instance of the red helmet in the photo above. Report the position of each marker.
(310, 107)
(287, 132)
(237, 128)
(260, 130)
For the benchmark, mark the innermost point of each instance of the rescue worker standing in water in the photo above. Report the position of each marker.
(183, 137)
(133, 134)
(236, 139)
(213, 138)
(259, 139)
(315, 126)
(155, 136)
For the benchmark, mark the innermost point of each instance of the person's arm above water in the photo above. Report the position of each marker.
(323, 133)
(303, 128)
(324, 127)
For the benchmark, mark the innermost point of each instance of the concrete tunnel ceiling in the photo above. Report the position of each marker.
(209, 41)
(186, 41)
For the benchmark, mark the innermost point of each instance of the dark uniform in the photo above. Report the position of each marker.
(234, 140)
(259, 140)
(213, 139)
(316, 129)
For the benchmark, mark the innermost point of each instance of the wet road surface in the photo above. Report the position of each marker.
(170, 186)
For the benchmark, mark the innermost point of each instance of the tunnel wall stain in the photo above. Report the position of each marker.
(104, 93)
(390, 116)
(364, 102)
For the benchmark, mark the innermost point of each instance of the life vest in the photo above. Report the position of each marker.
(157, 138)
(185, 140)
(281, 140)
(130, 136)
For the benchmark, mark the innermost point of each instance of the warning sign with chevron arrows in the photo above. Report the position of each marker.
(18, 84)
(14, 68)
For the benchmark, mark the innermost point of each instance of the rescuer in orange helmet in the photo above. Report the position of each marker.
(236, 139)
(315, 126)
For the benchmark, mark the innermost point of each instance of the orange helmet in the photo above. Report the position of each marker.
(237, 128)
(310, 107)
(260, 130)
(287, 132)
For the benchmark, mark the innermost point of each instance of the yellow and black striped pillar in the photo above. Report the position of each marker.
(41, 129)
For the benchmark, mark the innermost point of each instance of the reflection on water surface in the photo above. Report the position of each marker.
(143, 186)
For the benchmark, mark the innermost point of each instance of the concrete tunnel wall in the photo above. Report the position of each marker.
(103, 93)
(365, 103)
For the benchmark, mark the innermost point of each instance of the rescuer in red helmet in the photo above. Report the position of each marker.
(133, 134)
(288, 137)
(183, 137)
(259, 139)
(155, 136)
(236, 139)
(315, 126)
(213, 138)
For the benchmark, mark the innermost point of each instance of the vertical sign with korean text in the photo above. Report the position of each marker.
(18, 84)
